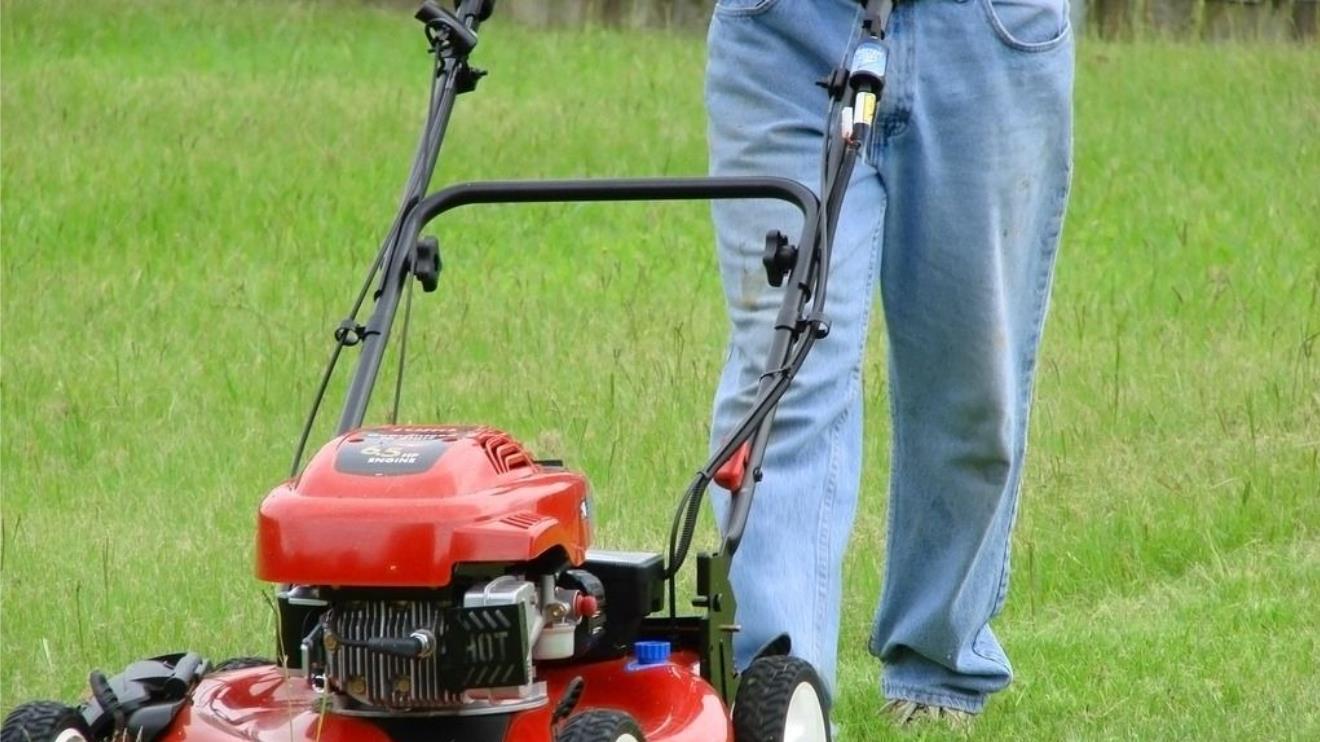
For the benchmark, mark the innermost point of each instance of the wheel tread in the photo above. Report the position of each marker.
(241, 663)
(40, 721)
(599, 725)
(764, 693)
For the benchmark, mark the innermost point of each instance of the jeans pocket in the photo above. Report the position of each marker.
(743, 7)
(1028, 25)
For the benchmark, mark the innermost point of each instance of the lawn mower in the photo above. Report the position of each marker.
(436, 582)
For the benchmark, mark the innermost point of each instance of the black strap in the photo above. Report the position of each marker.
(107, 699)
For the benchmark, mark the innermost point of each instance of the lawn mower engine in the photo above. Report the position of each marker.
(435, 583)
(425, 569)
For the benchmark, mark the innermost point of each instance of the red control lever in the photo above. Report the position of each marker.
(730, 475)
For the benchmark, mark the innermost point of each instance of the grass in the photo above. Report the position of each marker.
(190, 192)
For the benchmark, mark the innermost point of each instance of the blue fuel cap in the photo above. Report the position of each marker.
(651, 653)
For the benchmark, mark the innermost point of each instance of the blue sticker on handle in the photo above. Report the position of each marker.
(870, 59)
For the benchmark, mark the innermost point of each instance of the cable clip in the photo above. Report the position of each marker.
(349, 333)
(818, 323)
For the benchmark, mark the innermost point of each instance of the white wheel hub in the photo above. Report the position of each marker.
(805, 720)
(626, 738)
(70, 735)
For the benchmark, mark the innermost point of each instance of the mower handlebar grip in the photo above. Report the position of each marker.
(609, 189)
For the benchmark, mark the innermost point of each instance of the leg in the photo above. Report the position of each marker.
(978, 162)
(767, 118)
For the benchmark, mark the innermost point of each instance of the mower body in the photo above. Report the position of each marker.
(458, 536)
(670, 702)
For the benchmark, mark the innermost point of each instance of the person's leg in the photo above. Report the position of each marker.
(977, 166)
(767, 118)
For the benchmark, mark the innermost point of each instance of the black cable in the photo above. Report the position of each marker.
(411, 191)
(683, 527)
(418, 179)
(316, 407)
(689, 506)
(403, 349)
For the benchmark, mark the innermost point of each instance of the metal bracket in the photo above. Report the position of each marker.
(715, 594)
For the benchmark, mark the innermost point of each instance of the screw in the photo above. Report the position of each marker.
(556, 612)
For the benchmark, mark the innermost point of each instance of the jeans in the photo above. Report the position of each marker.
(955, 217)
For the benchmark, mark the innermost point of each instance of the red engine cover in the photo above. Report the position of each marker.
(400, 506)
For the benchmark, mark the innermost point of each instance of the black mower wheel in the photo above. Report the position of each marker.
(599, 725)
(240, 663)
(44, 721)
(781, 699)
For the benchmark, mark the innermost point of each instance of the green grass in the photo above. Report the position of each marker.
(191, 190)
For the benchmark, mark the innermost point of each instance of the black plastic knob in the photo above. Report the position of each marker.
(778, 257)
(426, 263)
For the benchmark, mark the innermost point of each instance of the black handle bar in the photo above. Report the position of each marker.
(397, 273)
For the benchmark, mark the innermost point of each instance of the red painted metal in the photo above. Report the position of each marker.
(670, 702)
(482, 500)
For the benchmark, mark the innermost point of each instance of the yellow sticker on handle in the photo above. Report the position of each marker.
(867, 103)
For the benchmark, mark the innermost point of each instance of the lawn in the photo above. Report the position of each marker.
(191, 192)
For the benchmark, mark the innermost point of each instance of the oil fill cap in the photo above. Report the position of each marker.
(651, 653)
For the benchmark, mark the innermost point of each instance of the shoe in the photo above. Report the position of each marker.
(910, 713)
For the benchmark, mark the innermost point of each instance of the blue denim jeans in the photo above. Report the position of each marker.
(955, 218)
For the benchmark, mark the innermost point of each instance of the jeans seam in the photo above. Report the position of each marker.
(853, 389)
(896, 456)
(750, 11)
(824, 544)
(907, 88)
(1049, 248)
(901, 83)
(1010, 41)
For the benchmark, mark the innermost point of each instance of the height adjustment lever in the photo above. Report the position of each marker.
(778, 257)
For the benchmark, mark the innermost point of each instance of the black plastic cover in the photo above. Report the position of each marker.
(634, 588)
(144, 698)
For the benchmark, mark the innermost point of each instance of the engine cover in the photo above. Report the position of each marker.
(401, 506)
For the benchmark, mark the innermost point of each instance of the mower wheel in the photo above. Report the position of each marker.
(240, 663)
(599, 725)
(44, 721)
(781, 699)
